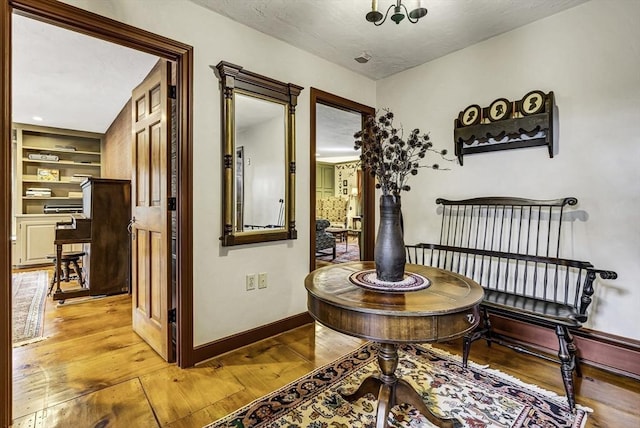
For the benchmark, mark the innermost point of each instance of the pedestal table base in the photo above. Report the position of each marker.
(391, 390)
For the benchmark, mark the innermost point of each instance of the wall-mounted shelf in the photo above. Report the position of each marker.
(518, 129)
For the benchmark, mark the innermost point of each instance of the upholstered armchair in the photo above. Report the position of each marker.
(324, 239)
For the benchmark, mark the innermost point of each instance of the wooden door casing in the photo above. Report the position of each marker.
(367, 237)
(76, 19)
(150, 238)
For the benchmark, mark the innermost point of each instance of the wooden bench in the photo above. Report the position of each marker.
(511, 247)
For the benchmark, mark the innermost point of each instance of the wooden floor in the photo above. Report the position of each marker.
(93, 371)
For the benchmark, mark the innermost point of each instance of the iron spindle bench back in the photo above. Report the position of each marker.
(511, 247)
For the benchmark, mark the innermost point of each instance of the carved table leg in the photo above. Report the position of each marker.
(390, 390)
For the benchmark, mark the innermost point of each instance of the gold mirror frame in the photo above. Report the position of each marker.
(233, 77)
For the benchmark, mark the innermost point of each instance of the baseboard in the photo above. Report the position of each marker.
(248, 337)
(611, 353)
(616, 354)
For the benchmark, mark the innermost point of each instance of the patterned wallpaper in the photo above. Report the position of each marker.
(346, 178)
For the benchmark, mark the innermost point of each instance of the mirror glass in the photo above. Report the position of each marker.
(260, 133)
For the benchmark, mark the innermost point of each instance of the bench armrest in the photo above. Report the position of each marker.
(606, 274)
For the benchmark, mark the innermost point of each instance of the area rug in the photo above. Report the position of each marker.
(352, 253)
(476, 396)
(29, 291)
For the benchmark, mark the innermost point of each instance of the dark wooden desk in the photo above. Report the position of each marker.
(447, 309)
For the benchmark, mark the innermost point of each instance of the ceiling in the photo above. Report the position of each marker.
(334, 134)
(70, 80)
(337, 31)
(74, 81)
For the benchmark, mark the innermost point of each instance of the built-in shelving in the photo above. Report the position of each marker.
(75, 156)
(71, 156)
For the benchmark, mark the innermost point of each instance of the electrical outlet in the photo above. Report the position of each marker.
(262, 280)
(251, 281)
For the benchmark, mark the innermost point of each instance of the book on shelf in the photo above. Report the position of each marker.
(43, 157)
(79, 178)
(66, 148)
(38, 192)
(73, 194)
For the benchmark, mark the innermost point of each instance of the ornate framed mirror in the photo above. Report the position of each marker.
(258, 156)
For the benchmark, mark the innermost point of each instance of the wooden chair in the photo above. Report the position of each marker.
(68, 261)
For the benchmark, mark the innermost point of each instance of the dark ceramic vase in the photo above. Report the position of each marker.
(390, 256)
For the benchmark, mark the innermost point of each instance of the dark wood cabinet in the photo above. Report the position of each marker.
(107, 202)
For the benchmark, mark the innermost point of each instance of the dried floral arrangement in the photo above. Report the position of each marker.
(388, 156)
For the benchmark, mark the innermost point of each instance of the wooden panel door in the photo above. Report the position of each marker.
(150, 263)
(325, 180)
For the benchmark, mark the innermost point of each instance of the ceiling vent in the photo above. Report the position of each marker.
(365, 57)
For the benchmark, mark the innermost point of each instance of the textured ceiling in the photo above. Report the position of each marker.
(337, 31)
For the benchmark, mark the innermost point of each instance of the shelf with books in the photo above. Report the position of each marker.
(62, 181)
(61, 162)
(39, 149)
(57, 160)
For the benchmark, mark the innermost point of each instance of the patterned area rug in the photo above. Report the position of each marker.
(29, 291)
(351, 254)
(475, 396)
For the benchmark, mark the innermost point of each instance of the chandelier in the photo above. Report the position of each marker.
(398, 15)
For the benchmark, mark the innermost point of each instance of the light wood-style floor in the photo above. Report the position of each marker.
(93, 371)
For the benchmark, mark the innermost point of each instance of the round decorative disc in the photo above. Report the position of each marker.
(532, 103)
(499, 109)
(471, 115)
(368, 279)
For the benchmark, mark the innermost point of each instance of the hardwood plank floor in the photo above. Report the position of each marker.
(92, 370)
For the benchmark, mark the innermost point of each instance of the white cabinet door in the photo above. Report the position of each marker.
(35, 239)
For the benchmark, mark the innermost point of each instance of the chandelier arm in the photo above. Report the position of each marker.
(406, 12)
(413, 17)
(385, 16)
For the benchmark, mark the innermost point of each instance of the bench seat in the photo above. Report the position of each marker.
(529, 307)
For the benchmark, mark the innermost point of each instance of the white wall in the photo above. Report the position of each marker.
(221, 305)
(264, 173)
(590, 57)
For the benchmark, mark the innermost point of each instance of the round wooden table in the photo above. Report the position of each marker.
(445, 310)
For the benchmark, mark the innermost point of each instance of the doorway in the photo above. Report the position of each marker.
(337, 182)
(103, 28)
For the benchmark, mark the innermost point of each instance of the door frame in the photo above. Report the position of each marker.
(94, 25)
(368, 183)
